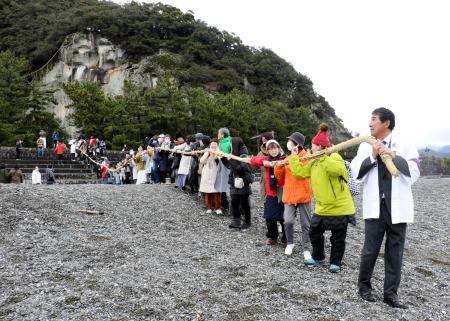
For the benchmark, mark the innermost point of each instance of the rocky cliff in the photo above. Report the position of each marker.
(90, 57)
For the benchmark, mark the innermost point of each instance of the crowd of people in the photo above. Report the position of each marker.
(287, 190)
(214, 168)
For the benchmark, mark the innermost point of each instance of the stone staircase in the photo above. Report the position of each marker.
(66, 171)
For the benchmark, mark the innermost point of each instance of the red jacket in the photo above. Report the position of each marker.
(104, 168)
(59, 149)
(258, 161)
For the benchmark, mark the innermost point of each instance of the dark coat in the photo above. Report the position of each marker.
(239, 169)
(165, 163)
(50, 176)
(155, 144)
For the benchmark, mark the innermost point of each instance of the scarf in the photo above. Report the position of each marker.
(273, 180)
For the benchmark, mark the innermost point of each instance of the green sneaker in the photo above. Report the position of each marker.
(334, 268)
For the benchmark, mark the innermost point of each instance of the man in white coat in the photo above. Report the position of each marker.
(387, 203)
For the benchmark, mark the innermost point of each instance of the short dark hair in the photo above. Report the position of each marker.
(267, 135)
(385, 114)
(206, 140)
(236, 144)
(16, 167)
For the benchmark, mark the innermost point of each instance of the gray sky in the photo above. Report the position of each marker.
(360, 55)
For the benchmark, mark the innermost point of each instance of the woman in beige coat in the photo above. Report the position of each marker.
(210, 164)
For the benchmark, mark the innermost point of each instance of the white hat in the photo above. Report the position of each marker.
(272, 141)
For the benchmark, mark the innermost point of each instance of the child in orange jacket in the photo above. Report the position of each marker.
(297, 195)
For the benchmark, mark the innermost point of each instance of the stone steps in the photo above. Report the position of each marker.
(56, 169)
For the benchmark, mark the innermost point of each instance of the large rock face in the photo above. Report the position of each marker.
(91, 57)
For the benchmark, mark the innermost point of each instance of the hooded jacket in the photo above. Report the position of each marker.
(328, 180)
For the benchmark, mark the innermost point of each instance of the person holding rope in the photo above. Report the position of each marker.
(223, 173)
(165, 163)
(297, 196)
(273, 205)
(155, 143)
(184, 164)
(210, 164)
(387, 203)
(239, 180)
(140, 160)
(263, 139)
(334, 203)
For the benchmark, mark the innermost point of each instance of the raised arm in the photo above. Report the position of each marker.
(299, 169)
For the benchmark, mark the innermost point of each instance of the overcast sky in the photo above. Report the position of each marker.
(360, 55)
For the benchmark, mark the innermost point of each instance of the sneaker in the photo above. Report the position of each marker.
(208, 211)
(307, 255)
(334, 268)
(271, 242)
(219, 212)
(308, 258)
(289, 249)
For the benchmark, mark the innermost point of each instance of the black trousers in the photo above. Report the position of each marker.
(393, 257)
(337, 241)
(243, 202)
(224, 201)
(272, 230)
(127, 177)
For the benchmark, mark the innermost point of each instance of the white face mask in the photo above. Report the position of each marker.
(289, 145)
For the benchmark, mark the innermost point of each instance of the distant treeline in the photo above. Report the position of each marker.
(432, 165)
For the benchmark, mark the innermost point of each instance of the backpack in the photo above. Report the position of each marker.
(355, 187)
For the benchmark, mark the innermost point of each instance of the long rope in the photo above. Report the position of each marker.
(387, 160)
(124, 163)
(219, 154)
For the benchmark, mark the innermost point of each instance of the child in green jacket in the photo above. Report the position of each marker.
(334, 203)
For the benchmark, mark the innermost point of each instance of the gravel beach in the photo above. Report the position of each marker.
(155, 255)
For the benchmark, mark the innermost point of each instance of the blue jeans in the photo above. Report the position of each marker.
(40, 152)
(155, 172)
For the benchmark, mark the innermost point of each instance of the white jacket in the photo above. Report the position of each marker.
(402, 204)
(185, 162)
(36, 177)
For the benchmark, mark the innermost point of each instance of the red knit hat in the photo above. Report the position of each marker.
(321, 137)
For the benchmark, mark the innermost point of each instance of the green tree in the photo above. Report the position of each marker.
(22, 104)
(89, 104)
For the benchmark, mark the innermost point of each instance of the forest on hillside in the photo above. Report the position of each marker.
(272, 95)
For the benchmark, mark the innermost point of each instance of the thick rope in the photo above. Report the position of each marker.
(387, 160)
